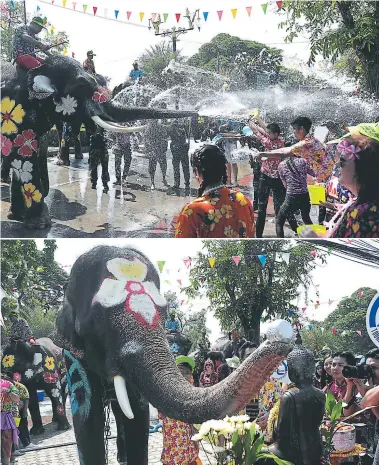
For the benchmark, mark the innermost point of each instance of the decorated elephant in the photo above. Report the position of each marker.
(179, 344)
(37, 368)
(59, 90)
(111, 326)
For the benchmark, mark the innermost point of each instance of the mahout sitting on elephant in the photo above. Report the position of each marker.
(111, 326)
(37, 367)
(32, 103)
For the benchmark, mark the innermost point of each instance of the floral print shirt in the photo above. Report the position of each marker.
(316, 153)
(269, 394)
(338, 390)
(270, 166)
(7, 388)
(220, 213)
(360, 221)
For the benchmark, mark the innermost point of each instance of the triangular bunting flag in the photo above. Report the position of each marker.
(181, 302)
(73, 54)
(205, 14)
(177, 16)
(160, 264)
(313, 253)
(74, 5)
(248, 9)
(64, 3)
(234, 12)
(211, 262)
(153, 16)
(262, 320)
(179, 281)
(128, 14)
(165, 16)
(84, 8)
(322, 330)
(286, 257)
(262, 259)
(343, 333)
(329, 250)
(220, 12)
(291, 313)
(330, 302)
(360, 293)
(317, 304)
(303, 309)
(187, 262)
(334, 331)
(279, 4)
(11, 3)
(116, 12)
(64, 52)
(141, 15)
(52, 2)
(38, 8)
(201, 279)
(94, 10)
(236, 259)
(359, 332)
(105, 12)
(264, 7)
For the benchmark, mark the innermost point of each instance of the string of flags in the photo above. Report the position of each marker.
(118, 15)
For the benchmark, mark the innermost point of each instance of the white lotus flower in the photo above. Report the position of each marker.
(239, 418)
(22, 171)
(37, 359)
(140, 297)
(55, 392)
(205, 428)
(197, 437)
(67, 105)
(29, 373)
(218, 425)
(229, 429)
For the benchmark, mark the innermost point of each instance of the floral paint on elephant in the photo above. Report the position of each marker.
(78, 387)
(127, 284)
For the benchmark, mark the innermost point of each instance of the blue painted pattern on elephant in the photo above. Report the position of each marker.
(81, 458)
(78, 387)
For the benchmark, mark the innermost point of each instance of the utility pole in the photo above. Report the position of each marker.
(25, 11)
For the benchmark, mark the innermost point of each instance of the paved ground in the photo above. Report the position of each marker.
(67, 455)
(131, 211)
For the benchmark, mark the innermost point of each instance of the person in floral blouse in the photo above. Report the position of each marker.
(9, 436)
(358, 156)
(219, 211)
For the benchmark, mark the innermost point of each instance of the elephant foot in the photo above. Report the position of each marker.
(61, 162)
(41, 221)
(35, 430)
(6, 179)
(15, 216)
(63, 425)
(79, 156)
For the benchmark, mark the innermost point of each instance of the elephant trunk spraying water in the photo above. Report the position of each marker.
(111, 327)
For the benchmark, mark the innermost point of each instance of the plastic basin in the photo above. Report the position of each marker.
(317, 228)
(317, 193)
(40, 395)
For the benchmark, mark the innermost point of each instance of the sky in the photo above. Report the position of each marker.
(338, 278)
(117, 44)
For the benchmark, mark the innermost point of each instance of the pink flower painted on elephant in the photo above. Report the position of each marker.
(27, 143)
(50, 378)
(101, 95)
(60, 410)
(17, 376)
(6, 146)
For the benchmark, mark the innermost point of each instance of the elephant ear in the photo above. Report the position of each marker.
(67, 330)
(39, 85)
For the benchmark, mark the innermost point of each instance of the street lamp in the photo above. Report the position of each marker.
(174, 32)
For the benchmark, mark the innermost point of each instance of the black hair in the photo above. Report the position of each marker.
(366, 169)
(223, 371)
(302, 122)
(373, 353)
(216, 356)
(348, 356)
(210, 162)
(274, 128)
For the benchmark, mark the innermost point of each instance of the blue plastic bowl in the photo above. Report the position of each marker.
(40, 395)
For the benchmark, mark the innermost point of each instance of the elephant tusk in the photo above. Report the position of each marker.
(122, 396)
(115, 127)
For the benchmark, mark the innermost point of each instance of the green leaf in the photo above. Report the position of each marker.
(235, 438)
(270, 455)
(337, 411)
(330, 403)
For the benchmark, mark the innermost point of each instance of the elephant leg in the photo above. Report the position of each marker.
(53, 392)
(44, 173)
(35, 413)
(64, 146)
(136, 433)
(86, 395)
(78, 147)
(121, 443)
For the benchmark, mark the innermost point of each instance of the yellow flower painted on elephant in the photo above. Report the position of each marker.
(8, 361)
(31, 193)
(241, 199)
(227, 210)
(187, 211)
(49, 363)
(11, 115)
(214, 215)
(229, 232)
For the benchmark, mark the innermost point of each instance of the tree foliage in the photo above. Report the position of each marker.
(250, 293)
(32, 276)
(347, 318)
(13, 17)
(334, 27)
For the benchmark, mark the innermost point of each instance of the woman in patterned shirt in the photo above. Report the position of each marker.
(219, 211)
(359, 161)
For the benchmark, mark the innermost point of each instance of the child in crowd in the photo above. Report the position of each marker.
(98, 154)
(9, 436)
(293, 173)
(20, 411)
(122, 149)
(178, 448)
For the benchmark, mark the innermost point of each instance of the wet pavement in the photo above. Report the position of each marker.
(129, 211)
(63, 452)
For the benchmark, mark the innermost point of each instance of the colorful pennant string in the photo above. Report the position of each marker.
(236, 259)
(160, 264)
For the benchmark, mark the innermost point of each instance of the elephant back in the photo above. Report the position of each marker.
(24, 362)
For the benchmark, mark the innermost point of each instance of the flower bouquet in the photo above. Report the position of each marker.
(235, 441)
